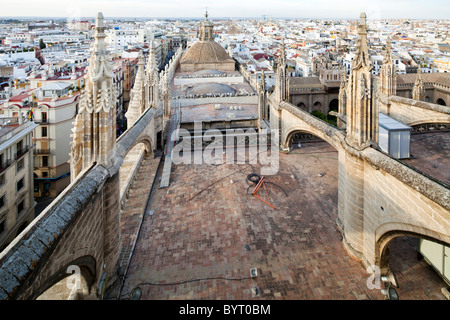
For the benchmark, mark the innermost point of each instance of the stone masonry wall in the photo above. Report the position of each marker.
(354, 214)
(392, 202)
(413, 112)
(70, 228)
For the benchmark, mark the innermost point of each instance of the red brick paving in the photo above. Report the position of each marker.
(201, 222)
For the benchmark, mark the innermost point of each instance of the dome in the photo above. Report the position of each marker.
(203, 52)
(206, 53)
(210, 88)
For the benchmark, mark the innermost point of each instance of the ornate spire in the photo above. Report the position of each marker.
(362, 50)
(166, 96)
(342, 98)
(151, 79)
(282, 79)
(282, 57)
(262, 82)
(99, 75)
(140, 75)
(343, 80)
(388, 74)
(94, 129)
(418, 92)
(388, 55)
(362, 116)
(137, 103)
(151, 62)
(262, 99)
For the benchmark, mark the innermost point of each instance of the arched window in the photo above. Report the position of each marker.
(440, 102)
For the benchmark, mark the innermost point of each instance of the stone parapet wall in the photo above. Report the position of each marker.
(413, 112)
(398, 198)
(25, 266)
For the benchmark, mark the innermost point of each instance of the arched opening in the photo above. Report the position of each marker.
(333, 106)
(440, 102)
(427, 99)
(317, 106)
(68, 288)
(302, 106)
(418, 263)
(299, 139)
(73, 282)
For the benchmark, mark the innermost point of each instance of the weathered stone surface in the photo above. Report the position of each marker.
(410, 177)
(7, 281)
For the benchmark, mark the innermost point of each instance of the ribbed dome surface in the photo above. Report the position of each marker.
(206, 52)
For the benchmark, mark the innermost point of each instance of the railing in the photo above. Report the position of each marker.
(5, 165)
(41, 151)
(9, 121)
(22, 151)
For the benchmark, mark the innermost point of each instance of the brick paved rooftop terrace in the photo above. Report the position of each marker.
(431, 154)
(207, 231)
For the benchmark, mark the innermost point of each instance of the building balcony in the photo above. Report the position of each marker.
(41, 151)
(43, 166)
(5, 165)
(22, 151)
(45, 121)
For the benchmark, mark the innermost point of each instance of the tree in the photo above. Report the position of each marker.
(42, 44)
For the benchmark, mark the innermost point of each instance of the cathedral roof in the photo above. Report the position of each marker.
(203, 52)
(437, 78)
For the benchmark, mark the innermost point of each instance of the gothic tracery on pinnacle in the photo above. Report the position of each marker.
(93, 137)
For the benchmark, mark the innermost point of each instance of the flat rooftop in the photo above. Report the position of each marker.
(219, 112)
(228, 100)
(207, 231)
(430, 153)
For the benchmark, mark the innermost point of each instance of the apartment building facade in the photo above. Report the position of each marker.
(54, 107)
(16, 177)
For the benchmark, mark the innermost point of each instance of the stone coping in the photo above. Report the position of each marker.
(23, 255)
(420, 104)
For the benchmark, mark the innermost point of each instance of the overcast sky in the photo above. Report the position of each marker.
(415, 9)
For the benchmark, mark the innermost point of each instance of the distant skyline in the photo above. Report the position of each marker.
(322, 9)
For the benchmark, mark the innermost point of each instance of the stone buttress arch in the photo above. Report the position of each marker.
(87, 266)
(387, 232)
(287, 136)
